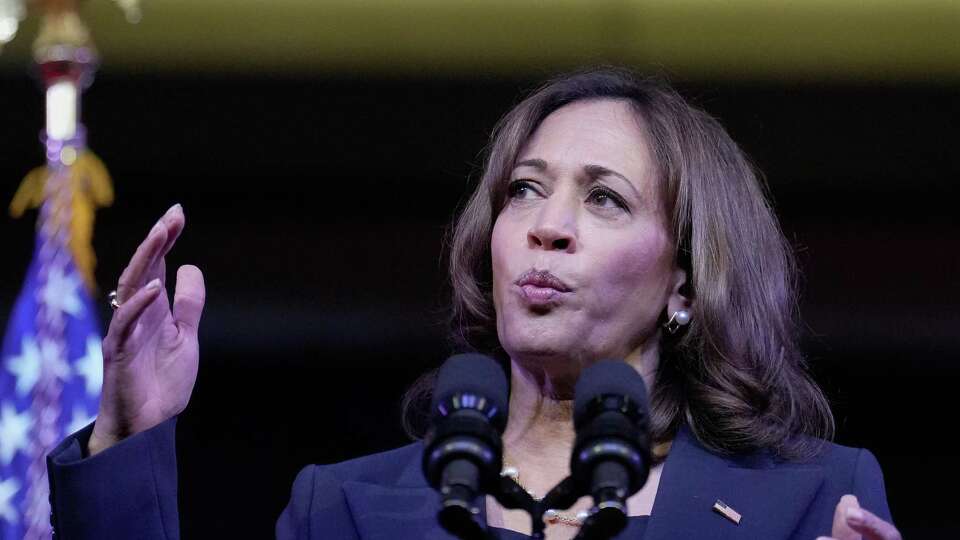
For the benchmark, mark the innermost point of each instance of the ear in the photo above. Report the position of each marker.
(680, 297)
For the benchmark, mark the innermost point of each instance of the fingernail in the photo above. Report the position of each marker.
(153, 285)
(174, 207)
(854, 516)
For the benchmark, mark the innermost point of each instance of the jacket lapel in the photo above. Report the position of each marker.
(405, 510)
(388, 512)
(770, 497)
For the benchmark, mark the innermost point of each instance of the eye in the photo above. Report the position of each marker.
(521, 189)
(605, 198)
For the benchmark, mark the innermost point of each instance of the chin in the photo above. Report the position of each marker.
(540, 341)
(537, 352)
(533, 336)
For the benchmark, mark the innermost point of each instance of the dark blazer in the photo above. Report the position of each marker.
(129, 491)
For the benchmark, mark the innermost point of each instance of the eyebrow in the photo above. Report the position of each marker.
(538, 164)
(593, 171)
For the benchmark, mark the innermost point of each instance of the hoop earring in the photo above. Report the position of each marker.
(681, 317)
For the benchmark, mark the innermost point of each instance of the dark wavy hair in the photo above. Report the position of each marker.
(735, 375)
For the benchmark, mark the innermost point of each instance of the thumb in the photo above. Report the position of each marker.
(188, 298)
(841, 530)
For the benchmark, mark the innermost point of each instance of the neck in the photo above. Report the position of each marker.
(539, 436)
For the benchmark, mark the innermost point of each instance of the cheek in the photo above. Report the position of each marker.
(499, 253)
(632, 276)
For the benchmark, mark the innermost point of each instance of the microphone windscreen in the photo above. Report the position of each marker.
(475, 374)
(607, 377)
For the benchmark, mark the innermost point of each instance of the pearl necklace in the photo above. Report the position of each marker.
(551, 516)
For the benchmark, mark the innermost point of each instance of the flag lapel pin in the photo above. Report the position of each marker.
(721, 508)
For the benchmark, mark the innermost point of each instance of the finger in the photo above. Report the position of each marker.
(133, 275)
(841, 530)
(173, 221)
(871, 526)
(189, 297)
(825, 538)
(142, 265)
(126, 317)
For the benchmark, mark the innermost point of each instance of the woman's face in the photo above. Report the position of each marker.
(583, 265)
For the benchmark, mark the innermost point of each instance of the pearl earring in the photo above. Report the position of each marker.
(681, 317)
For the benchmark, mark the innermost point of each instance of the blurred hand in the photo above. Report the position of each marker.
(850, 522)
(150, 352)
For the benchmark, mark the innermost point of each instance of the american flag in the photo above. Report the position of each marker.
(50, 368)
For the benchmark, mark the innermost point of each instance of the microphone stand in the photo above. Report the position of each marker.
(458, 520)
(602, 524)
(510, 495)
(604, 521)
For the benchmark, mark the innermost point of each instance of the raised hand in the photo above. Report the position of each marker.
(850, 522)
(150, 352)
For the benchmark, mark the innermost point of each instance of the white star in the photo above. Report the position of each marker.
(26, 367)
(79, 420)
(59, 293)
(54, 364)
(14, 429)
(8, 488)
(90, 366)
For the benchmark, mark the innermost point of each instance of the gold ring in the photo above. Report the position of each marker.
(114, 301)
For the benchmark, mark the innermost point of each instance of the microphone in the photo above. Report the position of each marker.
(611, 454)
(463, 453)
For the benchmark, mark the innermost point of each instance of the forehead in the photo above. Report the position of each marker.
(606, 132)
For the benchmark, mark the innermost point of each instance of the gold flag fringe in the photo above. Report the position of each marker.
(90, 188)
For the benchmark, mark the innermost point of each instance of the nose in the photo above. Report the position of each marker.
(555, 228)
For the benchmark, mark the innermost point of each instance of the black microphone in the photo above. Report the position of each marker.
(611, 454)
(463, 453)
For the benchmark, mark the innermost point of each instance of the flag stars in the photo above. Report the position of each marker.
(54, 363)
(8, 488)
(26, 367)
(90, 366)
(14, 431)
(60, 293)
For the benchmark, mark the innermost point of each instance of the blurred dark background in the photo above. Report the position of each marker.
(317, 201)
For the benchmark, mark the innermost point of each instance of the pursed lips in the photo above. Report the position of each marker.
(540, 287)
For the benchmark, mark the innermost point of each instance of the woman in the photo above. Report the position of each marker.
(613, 220)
